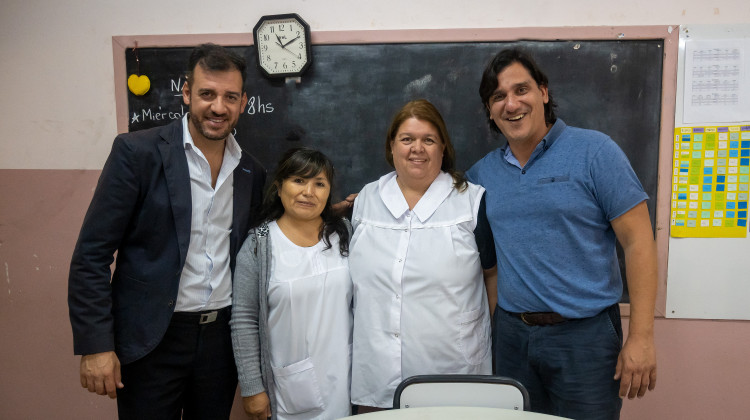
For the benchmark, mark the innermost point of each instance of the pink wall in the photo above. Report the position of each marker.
(702, 364)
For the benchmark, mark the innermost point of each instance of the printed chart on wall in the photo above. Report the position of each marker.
(711, 182)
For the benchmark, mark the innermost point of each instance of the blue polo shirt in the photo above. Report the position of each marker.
(551, 221)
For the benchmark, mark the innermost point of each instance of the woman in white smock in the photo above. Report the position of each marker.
(421, 291)
(291, 314)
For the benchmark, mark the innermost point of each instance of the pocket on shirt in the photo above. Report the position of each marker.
(554, 179)
(297, 386)
(474, 328)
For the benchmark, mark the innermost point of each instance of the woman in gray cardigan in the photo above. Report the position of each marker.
(291, 314)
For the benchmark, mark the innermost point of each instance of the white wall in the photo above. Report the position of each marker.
(57, 96)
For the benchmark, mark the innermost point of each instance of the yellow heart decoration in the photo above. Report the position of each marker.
(139, 85)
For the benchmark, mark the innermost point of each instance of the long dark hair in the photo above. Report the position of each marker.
(306, 163)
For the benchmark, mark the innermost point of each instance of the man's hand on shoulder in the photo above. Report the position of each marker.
(636, 367)
(100, 373)
(343, 208)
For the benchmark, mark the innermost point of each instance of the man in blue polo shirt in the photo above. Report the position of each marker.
(557, 199)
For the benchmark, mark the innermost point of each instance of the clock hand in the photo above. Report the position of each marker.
(284, 46)
(290, 52)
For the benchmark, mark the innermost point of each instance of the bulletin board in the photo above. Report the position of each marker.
(709, 247)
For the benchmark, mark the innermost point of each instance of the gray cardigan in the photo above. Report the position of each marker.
(250, 315)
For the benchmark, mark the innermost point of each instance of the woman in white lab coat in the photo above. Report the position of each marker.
(291, 314)
(420, 291)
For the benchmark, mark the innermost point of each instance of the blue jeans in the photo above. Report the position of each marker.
(567, 368)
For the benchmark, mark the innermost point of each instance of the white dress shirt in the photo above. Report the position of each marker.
(310, 328)
(206, 281)
(420, 303)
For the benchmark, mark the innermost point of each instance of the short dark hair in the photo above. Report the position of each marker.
(305, 162)
(503, 59)
(212, 57)
(424, 110)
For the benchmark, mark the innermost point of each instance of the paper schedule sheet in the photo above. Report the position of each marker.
(717, 81)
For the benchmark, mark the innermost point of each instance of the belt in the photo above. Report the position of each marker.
(539, 318)
(203, 317)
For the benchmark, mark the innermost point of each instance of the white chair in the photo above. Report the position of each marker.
(461, 390)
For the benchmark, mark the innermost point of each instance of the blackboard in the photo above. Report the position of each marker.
(345, 101)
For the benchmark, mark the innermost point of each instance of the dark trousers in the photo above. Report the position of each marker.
(190, 374)
(567, 368)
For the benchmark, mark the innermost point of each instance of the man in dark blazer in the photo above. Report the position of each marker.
(174, 203)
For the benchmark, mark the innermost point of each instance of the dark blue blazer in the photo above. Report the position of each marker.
(141, 209)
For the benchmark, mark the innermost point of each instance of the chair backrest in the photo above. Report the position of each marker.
(461, 390)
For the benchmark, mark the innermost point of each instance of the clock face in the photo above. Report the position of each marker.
(283, 45)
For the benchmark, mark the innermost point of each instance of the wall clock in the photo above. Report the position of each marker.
(283, 46)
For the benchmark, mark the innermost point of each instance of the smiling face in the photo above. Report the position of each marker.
(417, 151)
(304, 198)
(215, 100)
(517, 106)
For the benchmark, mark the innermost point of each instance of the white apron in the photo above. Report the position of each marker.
(310, 323)
(420, 304)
